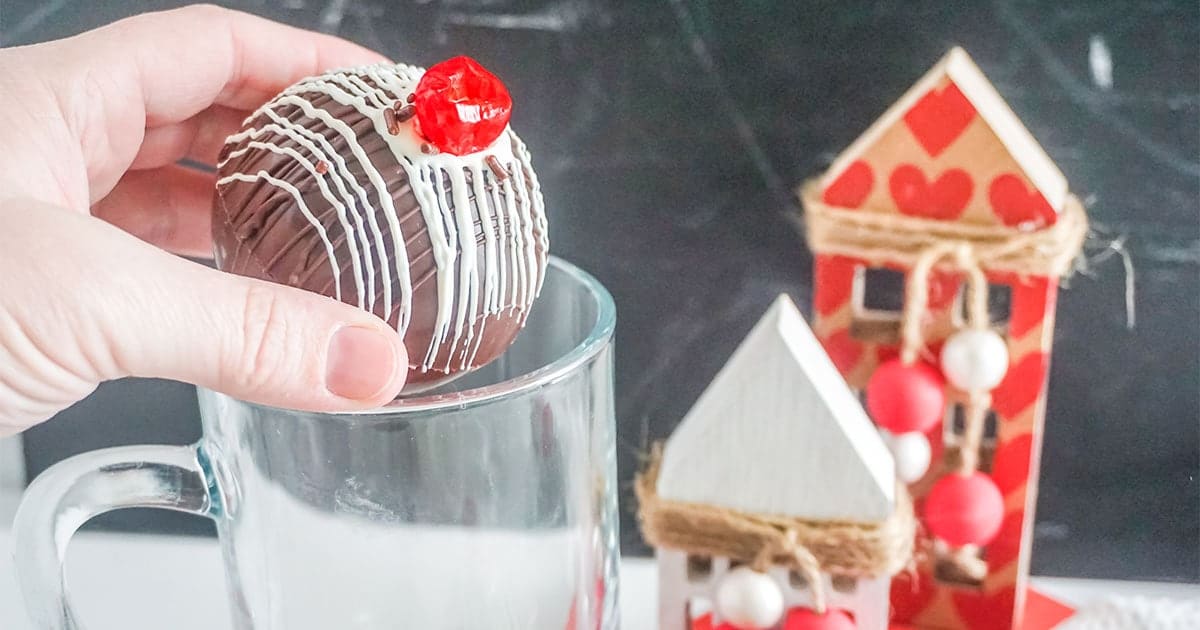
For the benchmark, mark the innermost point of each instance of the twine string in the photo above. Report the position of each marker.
(803, 559)
(880, 238)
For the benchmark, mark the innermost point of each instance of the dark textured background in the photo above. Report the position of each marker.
(667, 135)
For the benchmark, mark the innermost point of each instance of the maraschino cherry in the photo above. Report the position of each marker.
(461, 107)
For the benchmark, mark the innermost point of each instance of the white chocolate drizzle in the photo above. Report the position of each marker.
(470, 288)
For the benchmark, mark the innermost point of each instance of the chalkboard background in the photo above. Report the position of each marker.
(668, 135)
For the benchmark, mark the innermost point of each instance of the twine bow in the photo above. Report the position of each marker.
(921, 244)
(803, 560)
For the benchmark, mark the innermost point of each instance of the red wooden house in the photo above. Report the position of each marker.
(951, 161)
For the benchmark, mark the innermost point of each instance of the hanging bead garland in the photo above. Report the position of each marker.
(964, 507)
(806, 619)
(749, 599)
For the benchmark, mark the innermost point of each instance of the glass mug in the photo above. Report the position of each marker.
(487, 504)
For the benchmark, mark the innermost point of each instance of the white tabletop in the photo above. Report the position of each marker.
(149, 582)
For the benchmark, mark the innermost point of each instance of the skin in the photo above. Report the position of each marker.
(93, 205)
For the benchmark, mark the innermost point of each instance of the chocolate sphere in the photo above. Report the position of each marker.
(332, 187)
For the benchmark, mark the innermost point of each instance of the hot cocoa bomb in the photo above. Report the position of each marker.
(399, 190)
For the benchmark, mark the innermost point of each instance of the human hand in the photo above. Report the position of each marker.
(90, 189)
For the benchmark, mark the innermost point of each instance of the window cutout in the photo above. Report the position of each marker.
(797, 580)
(953, 428)
(699, 568)
(879, 290)
(877, 301)
(844, 583)
(999, 305)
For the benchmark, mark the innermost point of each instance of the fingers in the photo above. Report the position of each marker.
(190, 58)
(159, 69)
(85, 302)
(170, 207)
(198, 138)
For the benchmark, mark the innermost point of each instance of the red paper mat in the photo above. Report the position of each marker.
(1041, 613)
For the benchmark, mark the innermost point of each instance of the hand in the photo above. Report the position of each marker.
(90, 188)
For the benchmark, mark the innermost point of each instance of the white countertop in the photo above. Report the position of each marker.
(149, 582)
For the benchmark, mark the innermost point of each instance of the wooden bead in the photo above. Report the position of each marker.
(964, 509)
(806, 619)
(749, 600)
(912, 454)
(975, 360)
(903, 398)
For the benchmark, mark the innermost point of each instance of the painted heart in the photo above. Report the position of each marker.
(943, 199)
(943, 290)
(1007, 544)
(981, 611)
(909, 598)
(833, 284)
(1030, 298)
(851, 188)
(1017, 206)
(1021, 386)
(939, 118)
(1010, 466)
(843, 349)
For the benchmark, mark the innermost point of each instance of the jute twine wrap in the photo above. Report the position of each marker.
(901, 239)
(762, 541)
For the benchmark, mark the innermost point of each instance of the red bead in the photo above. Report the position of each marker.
(805, 619)
(964, 509)
(903, 398)
(461, 107)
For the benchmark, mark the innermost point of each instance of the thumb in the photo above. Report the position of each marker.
(83, 302)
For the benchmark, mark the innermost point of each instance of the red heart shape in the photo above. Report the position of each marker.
(939, 117)
(1017, 206)
(833, 284)
(981, 611)
(1021, 386)
(843, 349)
(1030, 298)
(944, 199)
(1010, 465)
(851, 188)
(1007, 545)
(943, 290)
(908, 599)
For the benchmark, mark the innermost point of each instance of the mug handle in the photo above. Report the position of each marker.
(74, 490)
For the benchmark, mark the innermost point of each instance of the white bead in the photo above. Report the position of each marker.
(912, 454)
(749, 600)
(975, 360)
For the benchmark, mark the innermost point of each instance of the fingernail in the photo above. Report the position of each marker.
(361, 362)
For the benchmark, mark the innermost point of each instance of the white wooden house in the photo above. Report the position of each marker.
(777, 432)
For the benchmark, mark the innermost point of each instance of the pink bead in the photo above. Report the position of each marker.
(964, 510)
(806, 619)
(903, 398)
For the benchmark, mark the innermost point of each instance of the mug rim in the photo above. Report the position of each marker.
(597, 339)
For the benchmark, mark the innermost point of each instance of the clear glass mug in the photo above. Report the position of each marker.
(488, 504)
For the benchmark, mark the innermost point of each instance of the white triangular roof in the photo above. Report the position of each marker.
(1037, 166)
(778, 432)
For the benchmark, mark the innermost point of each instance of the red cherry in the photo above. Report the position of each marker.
(461, 107)
(805, 619)
(964, 509)
(903, 398)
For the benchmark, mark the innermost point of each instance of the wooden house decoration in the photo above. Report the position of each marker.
(775, 496)
(939, 237)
